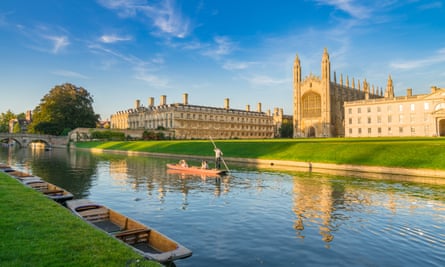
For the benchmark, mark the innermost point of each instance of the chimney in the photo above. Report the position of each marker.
(163, 100)
(137, 103)
(409, 92)
(247, 107)
(259, 107)
(151, 101)
(226, 103)
(185, 99)
(433, 89)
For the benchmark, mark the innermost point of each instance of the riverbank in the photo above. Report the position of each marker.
(37, 231)
(413, 159)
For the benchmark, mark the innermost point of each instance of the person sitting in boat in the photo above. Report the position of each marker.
(183, 163)
(204, 164)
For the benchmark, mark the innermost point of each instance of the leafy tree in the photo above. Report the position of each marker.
(286, 129)
(4, 120)
(65, 107)
(17, 128)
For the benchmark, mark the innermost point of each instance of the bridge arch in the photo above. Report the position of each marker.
(24, 140)
(9, 139)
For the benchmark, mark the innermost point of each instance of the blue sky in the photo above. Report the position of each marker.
(125, 50)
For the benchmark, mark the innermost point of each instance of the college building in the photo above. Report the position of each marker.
(409, 115)
(186, 121)
(324, 107)
(318, 102)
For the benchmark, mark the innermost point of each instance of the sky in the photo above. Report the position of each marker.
(124, 50)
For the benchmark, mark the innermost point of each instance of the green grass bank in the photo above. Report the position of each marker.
(417, 153)
(36, 231)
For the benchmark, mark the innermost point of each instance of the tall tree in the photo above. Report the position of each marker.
(65, 107)
(4, 120)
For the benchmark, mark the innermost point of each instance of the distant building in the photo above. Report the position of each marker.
(103, 124)
(21, 123)
(410, 115)
(319, 101)
(280, 119)
(197, 122)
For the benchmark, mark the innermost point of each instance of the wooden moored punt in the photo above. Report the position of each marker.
(5, 168)
(196, 170)
(144, 240)
(20, 175)
(48, 189)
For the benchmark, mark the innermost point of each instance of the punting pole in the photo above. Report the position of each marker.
(214, 145)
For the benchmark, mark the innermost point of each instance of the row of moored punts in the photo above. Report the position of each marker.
(146, 241)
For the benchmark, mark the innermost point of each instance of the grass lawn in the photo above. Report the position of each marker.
(36, 231)
(425, 152)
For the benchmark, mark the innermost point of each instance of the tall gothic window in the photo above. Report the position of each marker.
(311, 105)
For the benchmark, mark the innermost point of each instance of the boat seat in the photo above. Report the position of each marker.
(55, 191)
(134, 236)
(95, 215)
(131, 232)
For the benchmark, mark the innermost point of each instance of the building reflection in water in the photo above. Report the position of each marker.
(328, 202)
(313, 203)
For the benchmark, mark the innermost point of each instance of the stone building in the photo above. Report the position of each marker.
(409, 115)
(319, 101)
(196, 122)
(21, 124)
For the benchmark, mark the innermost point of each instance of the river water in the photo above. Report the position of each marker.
(258, 218)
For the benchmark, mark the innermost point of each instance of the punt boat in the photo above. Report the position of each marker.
(145, 240)
(195, 170)
(50, 190)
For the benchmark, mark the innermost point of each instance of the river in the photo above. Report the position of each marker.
(257, 218)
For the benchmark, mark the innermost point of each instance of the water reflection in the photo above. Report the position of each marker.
(254, 217)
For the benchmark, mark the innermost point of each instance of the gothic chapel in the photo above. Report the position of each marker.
(319, 101)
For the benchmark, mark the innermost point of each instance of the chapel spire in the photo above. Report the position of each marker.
(325, 66)
(297, 69)
(389, 93)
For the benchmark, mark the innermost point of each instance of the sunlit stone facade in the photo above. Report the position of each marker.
(410, 115)
(319, 101)
(197, 122)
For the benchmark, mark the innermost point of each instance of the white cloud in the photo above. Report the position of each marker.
(439, 57)
(70, 74)
(143, 74)
(166, 16)
(143, 70)
(222, 46)
(169, 20)
(264, 80)
(236, 65)
(58, 43)
(112, 38)
(129, 59)
(432, 5)
(351, 7)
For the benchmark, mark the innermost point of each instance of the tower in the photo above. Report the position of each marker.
(389, 92)
(297, 97)
(326, 93)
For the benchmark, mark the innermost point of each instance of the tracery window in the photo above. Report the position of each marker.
(311, 105)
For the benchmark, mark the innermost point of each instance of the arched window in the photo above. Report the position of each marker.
(311, 105)
(439, 106)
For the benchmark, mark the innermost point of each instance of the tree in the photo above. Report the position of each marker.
(286, 129)
(17, 128)
(4, 120)
(65, 107)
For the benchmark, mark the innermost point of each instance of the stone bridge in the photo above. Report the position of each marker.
(23, 139)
